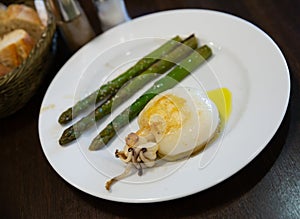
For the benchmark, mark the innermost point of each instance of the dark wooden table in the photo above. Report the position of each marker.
(268, 187)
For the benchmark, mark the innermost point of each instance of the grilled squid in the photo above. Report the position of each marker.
(172, 126)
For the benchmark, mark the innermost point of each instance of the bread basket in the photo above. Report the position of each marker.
(19, 85)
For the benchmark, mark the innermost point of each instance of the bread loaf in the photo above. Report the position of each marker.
(21, 17)
(20, 29)
(15, 48)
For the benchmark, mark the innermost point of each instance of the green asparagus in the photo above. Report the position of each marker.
(112, 86)
(159, 67)
(169, 81)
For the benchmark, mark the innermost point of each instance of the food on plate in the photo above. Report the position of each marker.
(20, 29)
(176, 75)
(222, 98)
(113, 86)
(173, 125)
(159, 67)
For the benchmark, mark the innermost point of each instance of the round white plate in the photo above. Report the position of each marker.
(246, 61)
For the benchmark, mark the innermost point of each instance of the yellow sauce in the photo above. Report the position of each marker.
(222, 98)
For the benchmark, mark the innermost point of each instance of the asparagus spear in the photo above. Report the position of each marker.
(159, 67)
(113, 86)
(170, 80)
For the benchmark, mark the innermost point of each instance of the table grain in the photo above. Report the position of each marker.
(268, 187)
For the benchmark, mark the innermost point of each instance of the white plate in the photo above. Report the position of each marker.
(246, 61)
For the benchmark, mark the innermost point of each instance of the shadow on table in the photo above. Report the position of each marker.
(210, 200)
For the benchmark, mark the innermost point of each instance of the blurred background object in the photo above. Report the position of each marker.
(72, 22)
(111, 13)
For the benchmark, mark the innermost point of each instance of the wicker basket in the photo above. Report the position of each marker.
(18, 86)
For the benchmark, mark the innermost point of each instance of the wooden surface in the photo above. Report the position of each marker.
(269, 187)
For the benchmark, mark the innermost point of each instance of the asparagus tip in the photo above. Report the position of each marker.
(70, 134)
(96, 144)
(63, 142)
(66, 116)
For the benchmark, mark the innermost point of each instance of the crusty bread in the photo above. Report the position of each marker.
(18, 16)
(20, 29)
(15, 48)
(9, 56)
